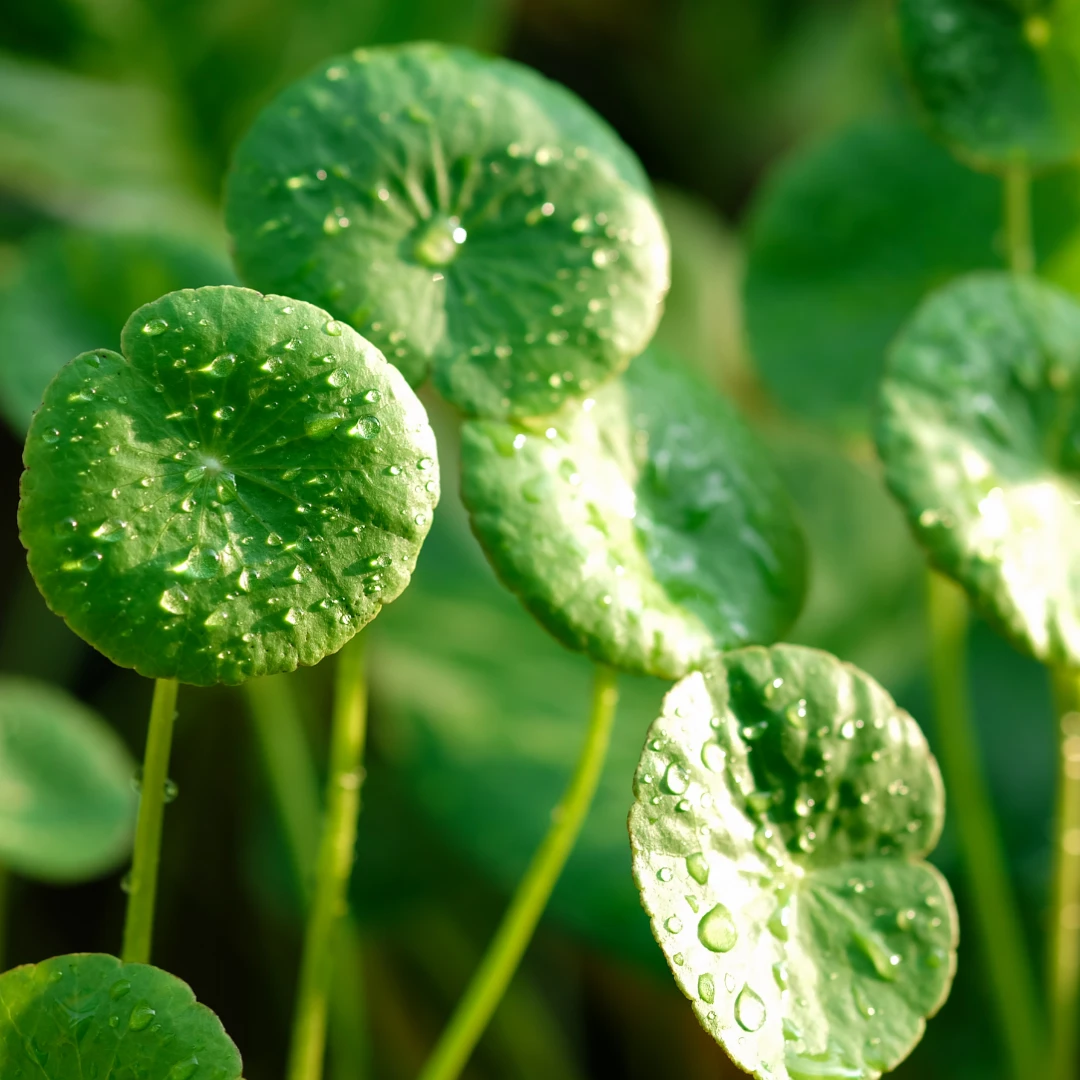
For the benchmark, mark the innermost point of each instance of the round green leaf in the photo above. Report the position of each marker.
(782, 809)
(980, 436)
(847, 236)
(73, 289)
(89, 1015)
(999, 80)
(460, 211)
(239, 493)
(645, 526)
(67, 807)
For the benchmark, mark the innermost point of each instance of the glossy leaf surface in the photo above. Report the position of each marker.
(67, 808)
(782, 809)
(462, 212)
(239, 493)
(848, 235)
(979, 434)
(75, 289)
(1000, 81)
(645, 526)
(90, 1015)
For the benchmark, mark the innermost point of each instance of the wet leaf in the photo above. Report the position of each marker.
(782, 809)
(980, 435)
(67, 808)
(848, 235)
(83, 1015)
(1000, 81)
(645, 526)
(462, 212)
(75, 289)
(239, 493)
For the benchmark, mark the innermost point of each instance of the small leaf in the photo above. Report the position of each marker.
(239, 493)
(74, 289)
(460, 211)
(89, 1015)
(980, 435)
(1000, 81)
(782, 809)
(645, 527)
(848, 235)
(67, 808)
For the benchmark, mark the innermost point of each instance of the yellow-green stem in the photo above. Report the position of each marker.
(333, 866)
(512, 938)
(142, 881)
(1063, 962)
(1011, 979)
(1018, 241)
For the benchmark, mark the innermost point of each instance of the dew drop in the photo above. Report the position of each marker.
(675, 779)
(749, 1009)
(664, 874)
(119, 989)
(141, 1016)
(174, 601)
(367, 427)
(52, 435)
(716, 930)
(673, 925)
(155, 327)
(698, 867)
(706, 988)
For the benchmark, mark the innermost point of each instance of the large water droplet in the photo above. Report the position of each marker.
(675, 779)
(174, 601)
(367, 427)
(141, 1016)
(698, 867)
(321, 425)
(155, 327)
(749, 1009)
(706, 988)
(717, 931)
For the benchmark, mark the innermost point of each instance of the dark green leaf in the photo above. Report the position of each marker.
(463, 213)
(238, 494)
(1000, 80)
(74, 289)
(645, 526)
(980, 435)
(67, 807)
(848, 236)
(89, 1015)
(782, 809)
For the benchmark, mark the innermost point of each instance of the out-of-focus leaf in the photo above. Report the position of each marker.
(67, 808)
(71, 291)
(783, 809)
(845, 239)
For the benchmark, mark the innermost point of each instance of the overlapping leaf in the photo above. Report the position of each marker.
(239, 493)
(782, 809)
(460, 211)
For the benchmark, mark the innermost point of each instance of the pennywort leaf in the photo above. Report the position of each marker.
(1000, 81)
(782, 810)
(980, 435)
(463, 213)
(238, 493)
(67, 808)
(645, 526)
(87, 1014)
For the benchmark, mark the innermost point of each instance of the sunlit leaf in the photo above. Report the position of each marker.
(782, 810)
(239, 493)
(980, 435)
(73, 290)
(999, 80)
(463, 213)
(645, 526)
(89, 1015)
(67, 808)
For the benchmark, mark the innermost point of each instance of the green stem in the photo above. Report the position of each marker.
(333, 866)
(508, 946)
(1018, 240)
(1011, 979)
(1063, 966)
(142, 887)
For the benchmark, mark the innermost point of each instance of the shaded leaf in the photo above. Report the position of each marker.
(87, 1014)
(980, 435)
(462, 212)
(238, 494)
(646, 527)
(67, 808)
(782, 809)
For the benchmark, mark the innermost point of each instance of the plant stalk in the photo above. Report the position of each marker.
(1018, 240)
(1063, 967)
(142, 881)
(333, 866)
(501, 960)
(1012, 981)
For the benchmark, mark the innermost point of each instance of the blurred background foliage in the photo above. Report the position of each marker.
(778, 132)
